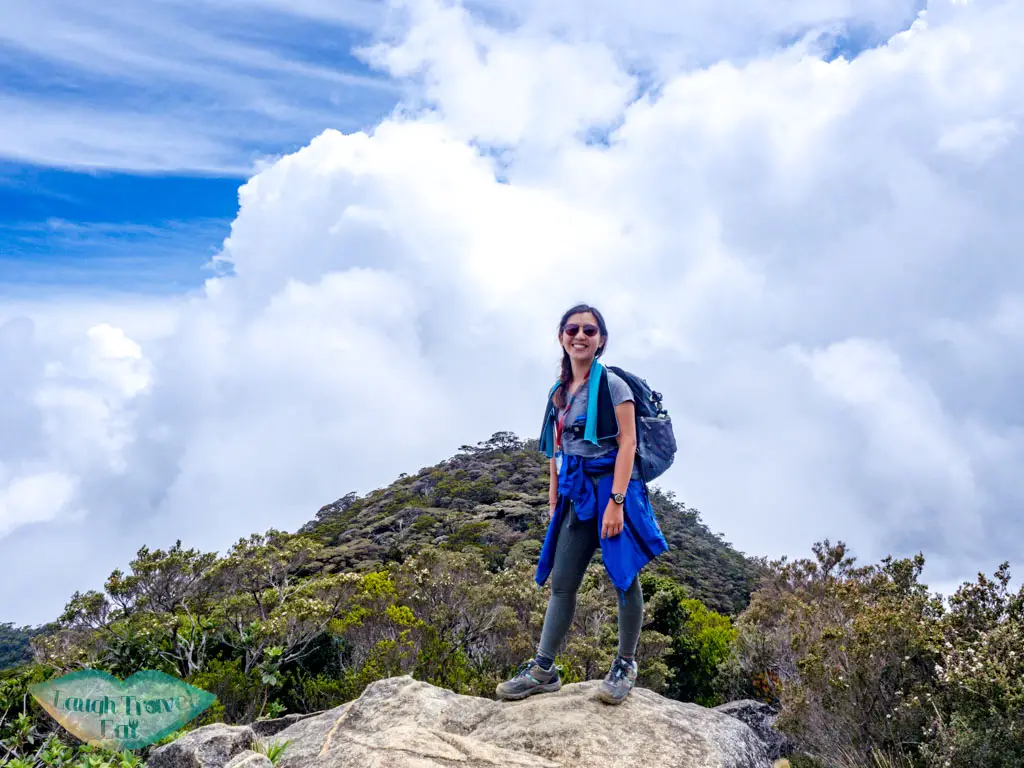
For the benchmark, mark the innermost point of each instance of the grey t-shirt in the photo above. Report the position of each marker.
(577, 446)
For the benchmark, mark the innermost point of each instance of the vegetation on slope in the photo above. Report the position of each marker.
(492, 499)
(15, 644)
(433, 577)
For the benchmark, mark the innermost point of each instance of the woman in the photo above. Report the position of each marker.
(596, 499)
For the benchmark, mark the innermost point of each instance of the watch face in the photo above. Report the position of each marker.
(619, 498)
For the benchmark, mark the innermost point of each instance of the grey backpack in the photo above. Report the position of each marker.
(655, 440)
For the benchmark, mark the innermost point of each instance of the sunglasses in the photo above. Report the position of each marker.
(572, 329)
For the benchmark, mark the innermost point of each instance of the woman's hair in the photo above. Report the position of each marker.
(566, 374)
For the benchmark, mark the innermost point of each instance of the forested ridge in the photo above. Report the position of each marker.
(491, 499)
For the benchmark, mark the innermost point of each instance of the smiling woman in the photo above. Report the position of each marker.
(596, 499)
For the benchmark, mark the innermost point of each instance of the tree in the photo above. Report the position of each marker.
(158, 616)
(265, 604)
(848, 653)
(979, 712)
(16, 643)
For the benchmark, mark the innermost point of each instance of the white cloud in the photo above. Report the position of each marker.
(217, 85)
(548, 90)
(674, 36)
(826, 289)
(914, 459)
(32, 498)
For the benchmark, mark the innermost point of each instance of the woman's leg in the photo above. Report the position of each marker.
(621, 677)
(631, 618)
(575, 546)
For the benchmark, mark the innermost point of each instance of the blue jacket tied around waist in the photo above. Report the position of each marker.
(641, 540)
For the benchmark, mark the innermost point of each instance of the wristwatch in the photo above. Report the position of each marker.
(618, 498)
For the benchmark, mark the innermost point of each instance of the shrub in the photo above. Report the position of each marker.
(456, 487)
(699, 640)
(239, 695)
(848, 652)
(24, 725)
(980, 691)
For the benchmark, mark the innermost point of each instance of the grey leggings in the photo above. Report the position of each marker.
(577, 542)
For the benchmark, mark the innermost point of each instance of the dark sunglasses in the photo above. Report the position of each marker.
(572, 329)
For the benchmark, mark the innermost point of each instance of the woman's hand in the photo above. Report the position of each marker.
(611, 525)
(552, 503)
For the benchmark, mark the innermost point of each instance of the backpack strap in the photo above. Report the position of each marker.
(596, 371)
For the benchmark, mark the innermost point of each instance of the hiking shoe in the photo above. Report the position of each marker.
(618, 682)
(529, 679)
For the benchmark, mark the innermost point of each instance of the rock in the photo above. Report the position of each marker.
(402, 723)
(761, 719)
(265, 728)
(249, 759)
(211, 746)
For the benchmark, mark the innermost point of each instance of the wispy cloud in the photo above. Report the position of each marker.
(159, 86)
(37, 258)
(216, 85)
(671, 36)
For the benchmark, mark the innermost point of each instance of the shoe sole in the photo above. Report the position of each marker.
(546, 688)
(607, 698)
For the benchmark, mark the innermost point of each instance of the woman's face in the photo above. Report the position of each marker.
(581, 348)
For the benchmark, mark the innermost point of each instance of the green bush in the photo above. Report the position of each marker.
(24, 725)
(456, 487)
(699, 640)
(980, 691)
(870, 669)
(239, 695)
(854, 652)
(54, 754)
(309, 693)
(424, 523)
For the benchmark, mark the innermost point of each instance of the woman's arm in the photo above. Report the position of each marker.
(553, 489)
(626, 415)
(614, 513)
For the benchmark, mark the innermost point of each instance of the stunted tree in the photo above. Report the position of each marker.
(175, 588)
(156, 616)
(848, 652)
(265, 605)
(979, 703)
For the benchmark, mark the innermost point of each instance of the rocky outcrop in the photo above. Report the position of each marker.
(266, 728)
(761, 719)
(249, 759)
(211, 746)
(403, 723)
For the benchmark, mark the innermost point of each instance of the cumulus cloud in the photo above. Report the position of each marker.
(814, 260)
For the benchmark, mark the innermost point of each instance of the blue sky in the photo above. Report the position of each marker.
(130, 128)
(134, 233)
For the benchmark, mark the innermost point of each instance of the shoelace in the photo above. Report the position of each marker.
(620, 668)
(524, 668)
